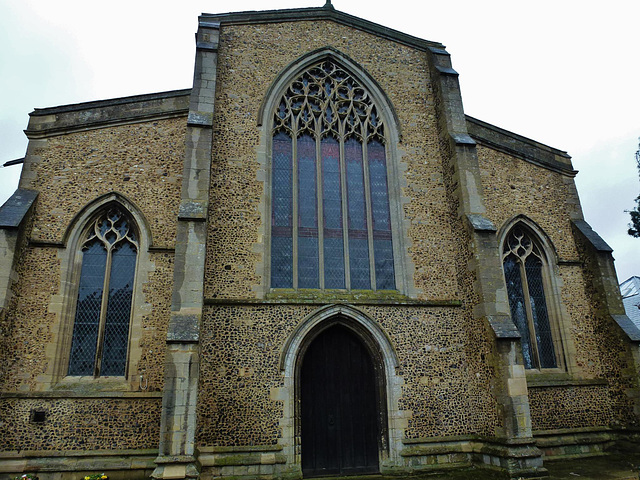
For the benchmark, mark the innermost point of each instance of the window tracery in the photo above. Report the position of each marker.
(330, 218)
(100, 337)
(525, 268)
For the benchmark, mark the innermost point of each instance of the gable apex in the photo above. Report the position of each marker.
(326, 12)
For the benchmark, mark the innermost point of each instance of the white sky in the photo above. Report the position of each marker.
(563, 72)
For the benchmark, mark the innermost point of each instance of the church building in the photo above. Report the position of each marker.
(312, 263)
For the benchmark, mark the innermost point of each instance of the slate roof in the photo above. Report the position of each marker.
(16, 207)
(630, 290)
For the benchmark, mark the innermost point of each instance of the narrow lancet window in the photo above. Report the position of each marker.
(330, 214)
(100, 340)
(524, 264)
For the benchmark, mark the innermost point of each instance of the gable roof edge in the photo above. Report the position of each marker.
(521, 147)
(315, 14)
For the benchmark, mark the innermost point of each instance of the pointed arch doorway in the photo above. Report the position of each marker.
(341, 392)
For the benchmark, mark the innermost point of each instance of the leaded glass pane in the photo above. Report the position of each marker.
(87, 320)
(282, 181)
(110, 243)
(356, 206)
(518, 307)
(385, 277)
(382, 245)
(328, 111)
(546, 352)
(332, 210)
(116, 330)
(281, 212)
(281, 262)
(308, 272)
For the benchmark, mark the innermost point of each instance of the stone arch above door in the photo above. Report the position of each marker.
(383, 352)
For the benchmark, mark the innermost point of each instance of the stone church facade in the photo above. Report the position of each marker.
(311, 263)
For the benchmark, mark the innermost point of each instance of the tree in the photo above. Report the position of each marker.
(634, 226)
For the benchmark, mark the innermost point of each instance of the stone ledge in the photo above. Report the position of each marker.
(519, 146)
(467, 438)
(15, 454)
(68, 461)
(628, 327)
(319, 301)
(44, 122)
(79, 395)
(318, 14)
(480, 223)
(13, 211)
(594, 239)
(503, 327)
(241, 459)
(542, 380)
(242, 448)
(525, 449)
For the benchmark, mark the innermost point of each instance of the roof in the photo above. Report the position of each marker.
(16, 207)
(630, 290)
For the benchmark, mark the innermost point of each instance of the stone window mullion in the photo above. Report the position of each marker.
(295, 212)
(345, 215)
(103, 312)
(527, 302)
(367, 194)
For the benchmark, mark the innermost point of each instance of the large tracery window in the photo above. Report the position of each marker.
(105, 290)
(525, 269)
(330, 216)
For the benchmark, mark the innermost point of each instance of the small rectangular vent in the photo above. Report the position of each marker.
(38, 415)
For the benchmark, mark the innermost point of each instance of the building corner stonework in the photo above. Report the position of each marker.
(514, 448)
(177, 453)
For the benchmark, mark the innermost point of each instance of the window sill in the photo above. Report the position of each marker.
(323, 297)
(542, 379)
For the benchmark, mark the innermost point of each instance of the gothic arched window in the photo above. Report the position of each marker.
(330, 215)
(526, 273)
(105, 290)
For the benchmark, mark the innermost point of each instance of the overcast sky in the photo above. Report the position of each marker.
(563, 72)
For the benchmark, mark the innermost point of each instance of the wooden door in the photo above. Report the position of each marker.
(339, 417)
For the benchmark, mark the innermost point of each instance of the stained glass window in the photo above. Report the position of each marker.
(330, 213)
(103, 309)
(524, 266)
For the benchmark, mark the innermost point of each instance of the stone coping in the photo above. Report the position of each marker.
(592, 236)
(45, 122)
(13, 454)
(13, 211)
(522, 147)
(317, 14)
